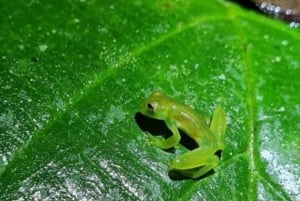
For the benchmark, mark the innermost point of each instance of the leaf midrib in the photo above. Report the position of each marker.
(251, 102)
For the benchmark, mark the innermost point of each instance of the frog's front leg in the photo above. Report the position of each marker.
(169, 142)
(195, 163)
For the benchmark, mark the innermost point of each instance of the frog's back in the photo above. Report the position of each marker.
(191, 123)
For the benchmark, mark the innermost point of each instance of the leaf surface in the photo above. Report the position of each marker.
(74, 73)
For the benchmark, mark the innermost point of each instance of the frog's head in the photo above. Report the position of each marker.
(155, 106)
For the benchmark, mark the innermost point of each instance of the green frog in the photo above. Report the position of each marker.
(209, 137)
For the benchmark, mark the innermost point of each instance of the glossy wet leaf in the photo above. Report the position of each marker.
(74, 73)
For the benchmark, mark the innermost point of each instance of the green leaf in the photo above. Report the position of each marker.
(74, 72)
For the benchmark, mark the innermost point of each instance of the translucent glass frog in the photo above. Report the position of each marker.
(209, 137)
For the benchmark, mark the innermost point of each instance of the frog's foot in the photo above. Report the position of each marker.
(199, 171)
(196, 163)
(163, 143)
(154, 140)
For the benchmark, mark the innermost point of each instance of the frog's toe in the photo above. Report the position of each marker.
(153, 140)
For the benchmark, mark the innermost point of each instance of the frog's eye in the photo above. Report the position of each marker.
(152, 106)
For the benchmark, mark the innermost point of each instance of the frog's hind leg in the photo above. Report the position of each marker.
(195, 163)
(218, 126)
(200, 171)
